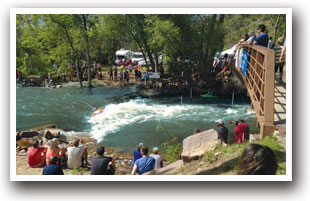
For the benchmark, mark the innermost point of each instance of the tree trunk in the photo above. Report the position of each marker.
(156, 62)
(87, 50)
(221, 20)
(276, 28)
(78, 72)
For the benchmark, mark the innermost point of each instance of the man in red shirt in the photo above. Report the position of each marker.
(35, 158)
(242, 132)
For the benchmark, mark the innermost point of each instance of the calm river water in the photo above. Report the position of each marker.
(127, 120)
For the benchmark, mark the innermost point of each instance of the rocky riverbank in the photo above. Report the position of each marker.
(221, 83)
(23, 141)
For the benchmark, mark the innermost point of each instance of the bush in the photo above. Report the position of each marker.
(173, 150)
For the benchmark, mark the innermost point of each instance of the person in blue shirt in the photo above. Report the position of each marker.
(54, 168)
(136, 153)
(262, 38)
(144, 164)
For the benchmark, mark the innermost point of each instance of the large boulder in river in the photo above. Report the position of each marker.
(28, 134)
(44, 127)
(50, 134)
(196, 145)
(55, 132)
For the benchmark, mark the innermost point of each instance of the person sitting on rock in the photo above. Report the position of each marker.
(76, 154)
(222, 132)
(54, 168)
(137, 153)
(158, 158)
(54, 150)
(102, 165)
(144, 164)
(257, 160)
(36, 154)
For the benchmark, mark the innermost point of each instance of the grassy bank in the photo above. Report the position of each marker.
(224, 160)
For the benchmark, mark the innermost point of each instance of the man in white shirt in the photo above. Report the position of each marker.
(158, 158)
(76, 154)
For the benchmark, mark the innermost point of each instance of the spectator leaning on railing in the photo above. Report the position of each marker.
(262, 38)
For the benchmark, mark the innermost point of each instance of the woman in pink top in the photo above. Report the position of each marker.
(54, 150)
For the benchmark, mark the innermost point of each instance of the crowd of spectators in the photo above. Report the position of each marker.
(53, 158)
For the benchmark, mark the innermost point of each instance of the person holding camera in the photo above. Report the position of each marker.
(242, 131)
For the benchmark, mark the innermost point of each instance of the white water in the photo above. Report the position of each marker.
(116, 116)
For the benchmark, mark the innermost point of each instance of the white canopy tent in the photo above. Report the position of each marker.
(229, 51)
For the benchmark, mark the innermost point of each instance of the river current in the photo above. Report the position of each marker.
(127, 119)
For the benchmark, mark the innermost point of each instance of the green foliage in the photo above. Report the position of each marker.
(235, 25)
(237, 149)
(43, 40)
(210, 156)
(173, 150)
(78, 171)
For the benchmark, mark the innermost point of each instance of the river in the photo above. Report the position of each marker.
(126, 120)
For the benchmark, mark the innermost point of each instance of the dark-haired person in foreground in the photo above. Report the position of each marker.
(262, 38)
(54, 168)
(144, 164)
(100, 165)
(257, 160)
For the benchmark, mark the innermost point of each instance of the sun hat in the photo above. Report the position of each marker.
(155, 149)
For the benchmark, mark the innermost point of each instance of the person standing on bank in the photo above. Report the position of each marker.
(242, 132)
(144, 164)
(222, 132)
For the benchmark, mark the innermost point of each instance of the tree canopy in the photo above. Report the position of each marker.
(188, 41)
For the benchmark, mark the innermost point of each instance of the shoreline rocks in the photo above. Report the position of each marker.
(195, 146)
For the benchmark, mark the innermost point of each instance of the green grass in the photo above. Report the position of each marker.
(237, 149)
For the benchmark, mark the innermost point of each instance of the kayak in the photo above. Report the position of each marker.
(207, 96)
(99, 111)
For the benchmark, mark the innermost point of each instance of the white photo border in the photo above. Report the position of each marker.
(286, 11)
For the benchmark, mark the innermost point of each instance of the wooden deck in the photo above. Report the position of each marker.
(280, 100)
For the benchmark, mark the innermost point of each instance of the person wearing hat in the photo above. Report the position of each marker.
(136, 153)
(54, 150)
(102, 165)
(222, 132)
(158, 158)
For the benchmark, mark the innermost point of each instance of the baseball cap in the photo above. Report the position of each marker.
(141, 144)
(220, 121)
(155, 149)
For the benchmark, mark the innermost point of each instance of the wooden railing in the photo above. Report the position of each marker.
(259, 81)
